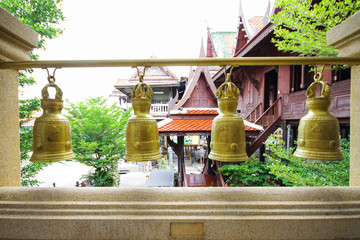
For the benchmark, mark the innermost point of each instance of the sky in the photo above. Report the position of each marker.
(136, 29)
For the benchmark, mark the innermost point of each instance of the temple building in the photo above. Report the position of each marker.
(192, 117)
(189, 213)
(163, 82)
(274, 96)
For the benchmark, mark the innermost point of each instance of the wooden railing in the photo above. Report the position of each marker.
(254, 114)
(270, 115)
(220, 179)
(268, 120)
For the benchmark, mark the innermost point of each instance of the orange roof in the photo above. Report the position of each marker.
(187, 125)
(198, 112)
(248, 128)
(192, 125)
(257, 22)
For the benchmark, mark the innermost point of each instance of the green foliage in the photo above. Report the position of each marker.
(301, 26)
(176, 179)
(40, 15)
(98, 135)
(294, 171)
(252, 173)
(162, 164)
(282, 168)
(103, 178)
(26, 108)
(29, 170)
(26, 80)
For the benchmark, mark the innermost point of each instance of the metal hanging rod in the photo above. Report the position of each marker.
(245, 61)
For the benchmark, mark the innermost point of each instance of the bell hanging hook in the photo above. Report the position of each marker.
(318, 76)
(141, 75)
(228, 76)
(51, 78)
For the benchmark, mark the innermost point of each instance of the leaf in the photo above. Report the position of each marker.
(301, 26)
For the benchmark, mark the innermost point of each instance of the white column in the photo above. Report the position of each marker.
(16, 39)
(346, 38)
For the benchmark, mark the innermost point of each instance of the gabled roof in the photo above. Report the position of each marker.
(200, 70)
(194, 81)
(202, 111)
(157, 76)
(152, 74)
(193, 121)
(264, 32)
(222, 44)
(117, 93)
(194, 126)
(242, 37)
(190, 112)
(187, 125)
(256, 23)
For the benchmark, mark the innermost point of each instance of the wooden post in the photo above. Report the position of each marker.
(179, 151)
(190, 155)
(181, 159)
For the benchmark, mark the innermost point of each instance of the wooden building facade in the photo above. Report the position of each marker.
(274, 96)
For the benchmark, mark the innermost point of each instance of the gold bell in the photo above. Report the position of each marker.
(142, 134)
(228, 133)
(52, 133)
(318, 131)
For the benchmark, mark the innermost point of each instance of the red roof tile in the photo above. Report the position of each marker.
(247, 128)
(257, 22)
(199, 112)
(182, 125)
(192, 125)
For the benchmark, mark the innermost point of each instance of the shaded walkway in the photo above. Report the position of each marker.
(203, 179)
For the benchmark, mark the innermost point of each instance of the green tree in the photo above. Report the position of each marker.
(28, 169)
(301, 25)
(294, 171)
(250, 173)
(43, 16)
(98, 135)
(282, 168)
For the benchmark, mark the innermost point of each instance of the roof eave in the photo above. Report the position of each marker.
(266, 30)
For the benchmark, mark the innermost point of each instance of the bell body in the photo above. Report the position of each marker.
(142, 134)
(228, 134)
(318, 132)
(51, 134)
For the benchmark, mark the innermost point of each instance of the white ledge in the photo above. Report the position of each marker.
(346, 37)
(16, 39)
(156, 213)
